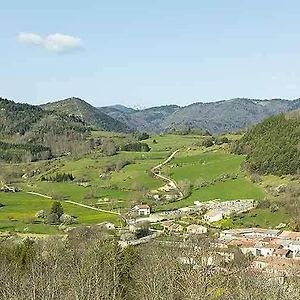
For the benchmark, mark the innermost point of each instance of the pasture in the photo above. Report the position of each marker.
(240, 188)
(118, 190)
(195, 165)
(18, 213)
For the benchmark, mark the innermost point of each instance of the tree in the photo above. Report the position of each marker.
(185, 187)
(40, 214)
(52, 219)
(67, 219)
(57, 209)
(208, 142)
(109, 147)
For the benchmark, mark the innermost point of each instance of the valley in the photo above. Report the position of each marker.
(201, 173)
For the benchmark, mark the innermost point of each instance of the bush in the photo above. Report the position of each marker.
(67, 219)
(140, 136)
(208, 142)
(59, 177)
(136, 147)
(52, 219)
(41, 214)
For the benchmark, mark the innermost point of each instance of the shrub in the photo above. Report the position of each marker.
(41, 214)
(67, 219)
(208, 142)
(136, 147)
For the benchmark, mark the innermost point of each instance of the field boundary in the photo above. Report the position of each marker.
(38, 194)
(91, 207)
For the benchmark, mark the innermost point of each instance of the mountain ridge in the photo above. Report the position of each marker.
(215, 117)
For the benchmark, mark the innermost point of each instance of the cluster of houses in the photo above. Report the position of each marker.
(217, 210)
(275, 251)
(213, 211)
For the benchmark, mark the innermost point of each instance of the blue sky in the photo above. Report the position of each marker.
(146, 52)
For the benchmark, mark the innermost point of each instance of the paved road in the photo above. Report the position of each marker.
(170, 181)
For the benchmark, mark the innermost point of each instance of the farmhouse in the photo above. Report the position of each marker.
(9, 189)
(142, 209)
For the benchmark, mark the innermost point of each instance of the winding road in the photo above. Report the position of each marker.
(171, 182)
(154, 170)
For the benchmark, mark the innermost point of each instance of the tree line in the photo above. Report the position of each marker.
(89, 264)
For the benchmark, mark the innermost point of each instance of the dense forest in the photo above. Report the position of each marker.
(23, 152)
(272, 147)
(24, 128)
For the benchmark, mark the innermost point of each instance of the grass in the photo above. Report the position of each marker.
(262, 217)
(204, 165)
(192, 163)
(172, 142)
(240, 188)
(135, 176)
(20, 208)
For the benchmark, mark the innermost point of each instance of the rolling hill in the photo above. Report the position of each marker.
(28, 132)
(89, 114)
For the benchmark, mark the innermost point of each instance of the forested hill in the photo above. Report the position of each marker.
(89, 114)
(215, 117)
(273, 146)
(33, 127)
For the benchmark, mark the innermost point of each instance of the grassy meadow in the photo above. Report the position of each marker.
(119, 190)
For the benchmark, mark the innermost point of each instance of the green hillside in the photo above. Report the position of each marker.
(89, 114)
(272, 147)
(28, 132)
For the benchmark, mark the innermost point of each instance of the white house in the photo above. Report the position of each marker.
(196, 229)
(213, 216)
(142, 209)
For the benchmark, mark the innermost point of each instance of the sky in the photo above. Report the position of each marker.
(144, 53)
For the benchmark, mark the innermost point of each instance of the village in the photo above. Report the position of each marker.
(274, 251)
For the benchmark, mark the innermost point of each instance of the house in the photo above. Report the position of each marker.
(171, 227)
(213, 216)
(196, 229)
(283, 253)
(9, 189)
(142, 209)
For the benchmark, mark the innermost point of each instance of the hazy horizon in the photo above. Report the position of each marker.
(144, 54)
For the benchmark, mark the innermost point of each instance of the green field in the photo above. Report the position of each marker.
(240, 188)
(117, 191)
(262, 218)
(173, 142)
(20, 208)
(203, 165)
(194, 165)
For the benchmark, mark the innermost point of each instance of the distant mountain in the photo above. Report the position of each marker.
(89, 114)
(273, 146)
(216, 117)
